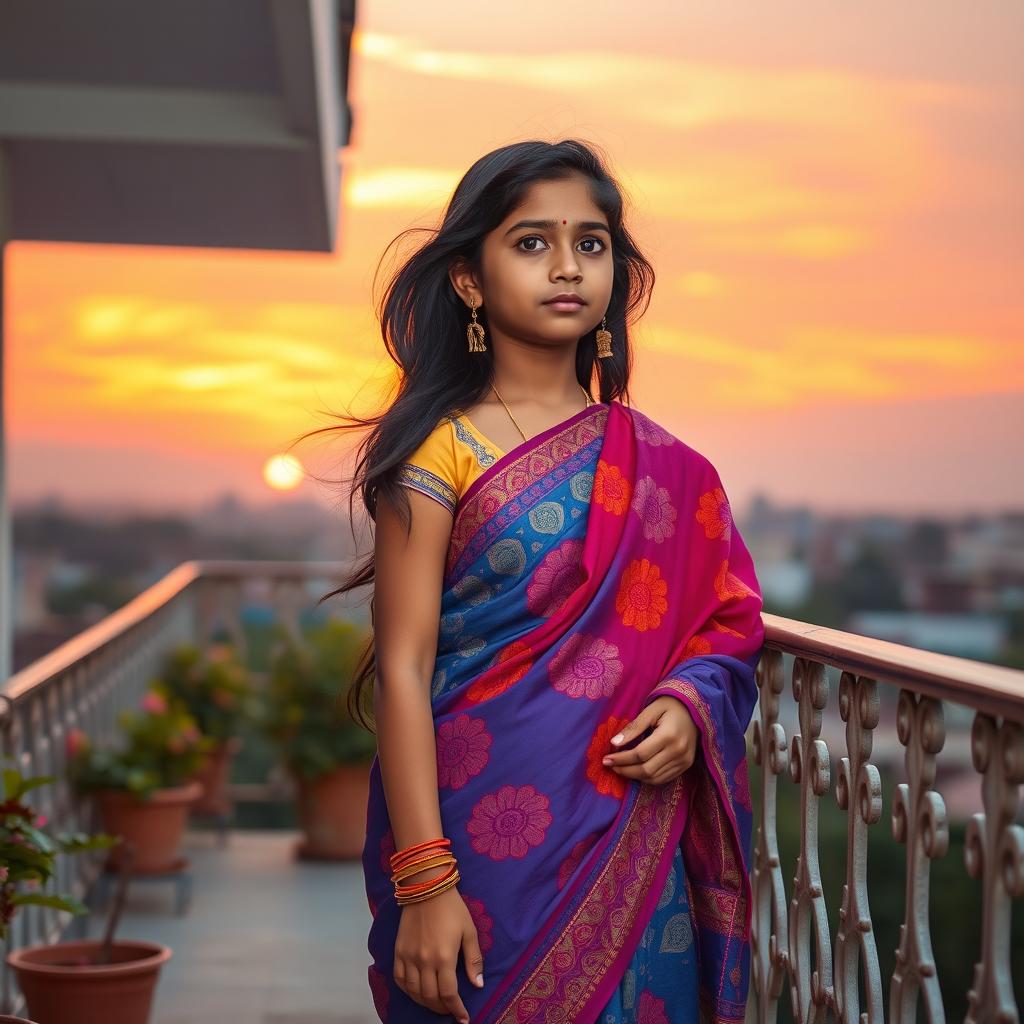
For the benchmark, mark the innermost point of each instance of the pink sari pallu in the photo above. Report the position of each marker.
(592, 569)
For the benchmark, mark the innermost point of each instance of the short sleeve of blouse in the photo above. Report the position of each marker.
(433, 468)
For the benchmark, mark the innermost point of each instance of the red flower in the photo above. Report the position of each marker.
(605, 780)
(641, 600)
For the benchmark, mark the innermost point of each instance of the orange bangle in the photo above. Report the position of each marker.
(420, 886)
(435, 888)
(410, 851)
(415, 887)
(429, 895)
(416, 866)
(444, 887)
(421, 846)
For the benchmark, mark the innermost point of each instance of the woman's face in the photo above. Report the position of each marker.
(526, 265)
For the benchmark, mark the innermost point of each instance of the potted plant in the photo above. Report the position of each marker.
(325, 751)
(215, 689)
(145, 788)
(101, 979)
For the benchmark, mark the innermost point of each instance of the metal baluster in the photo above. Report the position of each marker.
(994, 852)
(919, 820)
(859, 793)
(809, 766)
(769, 939)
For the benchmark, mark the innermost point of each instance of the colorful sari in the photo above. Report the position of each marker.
(592, 569)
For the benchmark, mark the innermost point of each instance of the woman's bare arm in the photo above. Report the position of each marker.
(409, 572)
(407, 608)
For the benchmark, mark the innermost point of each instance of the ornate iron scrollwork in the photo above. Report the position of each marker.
(919, 820)
(859, 793)
(769, 941)
(809, 766)
(994, 853)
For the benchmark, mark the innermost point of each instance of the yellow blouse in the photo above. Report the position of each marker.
(453, 455)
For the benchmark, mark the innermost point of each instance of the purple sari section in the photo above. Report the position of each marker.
(592, 569)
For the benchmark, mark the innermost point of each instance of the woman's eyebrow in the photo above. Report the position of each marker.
(584, 225)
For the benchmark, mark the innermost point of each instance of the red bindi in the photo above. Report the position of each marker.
(563, 221)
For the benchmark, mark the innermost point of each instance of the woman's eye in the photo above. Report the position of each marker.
(529, 238)
(537, 238)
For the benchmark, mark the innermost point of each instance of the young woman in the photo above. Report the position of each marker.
(566, 628)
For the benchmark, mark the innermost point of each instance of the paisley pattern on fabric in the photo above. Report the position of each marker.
(591, 570)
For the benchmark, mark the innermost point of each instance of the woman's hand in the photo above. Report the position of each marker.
(668, 752)
(431, 935)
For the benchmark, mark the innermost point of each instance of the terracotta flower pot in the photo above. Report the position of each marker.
(332, 813)
(213, 777)
(155, 825)
(60, 989)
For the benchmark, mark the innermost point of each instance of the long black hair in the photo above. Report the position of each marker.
(423, 323)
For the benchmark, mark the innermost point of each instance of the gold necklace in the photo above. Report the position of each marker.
(513, 419)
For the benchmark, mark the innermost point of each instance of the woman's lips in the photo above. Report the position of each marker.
(568, 307)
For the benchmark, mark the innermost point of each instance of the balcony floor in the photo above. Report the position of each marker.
(266, 940)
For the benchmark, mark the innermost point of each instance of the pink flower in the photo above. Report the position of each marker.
(650, 1009)
(3, 873)
(154, 703)
(77, 742)
(572, 862)
(481, 921)
(554, 580)
(507, 823)
(650, 432)
(41, 820)
(586, 666)
(462, 747)
(654, 507)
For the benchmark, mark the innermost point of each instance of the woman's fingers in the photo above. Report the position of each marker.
(428, 990)
(448, 991)
(412, 981)
(644, 772)
(643, 751)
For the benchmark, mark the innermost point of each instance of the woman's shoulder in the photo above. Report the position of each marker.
(651, 433)
(432, 467)
(448, 460)
(438, 449)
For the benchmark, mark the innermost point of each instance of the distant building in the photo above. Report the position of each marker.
(981, 637)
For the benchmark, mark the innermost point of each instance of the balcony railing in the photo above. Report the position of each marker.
(88, 680)
(838, 977)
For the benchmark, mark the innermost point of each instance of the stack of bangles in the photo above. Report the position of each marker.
(414, 859)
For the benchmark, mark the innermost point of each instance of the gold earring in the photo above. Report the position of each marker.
(475, 333)
(604, 341)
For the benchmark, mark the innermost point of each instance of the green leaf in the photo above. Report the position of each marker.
(36, 780)
(15, 785)
(42, 841)
(42, 899)
(78, 841)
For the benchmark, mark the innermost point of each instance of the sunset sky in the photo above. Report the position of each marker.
(830, 194)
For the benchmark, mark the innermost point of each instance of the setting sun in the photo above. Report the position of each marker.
(283, 472)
